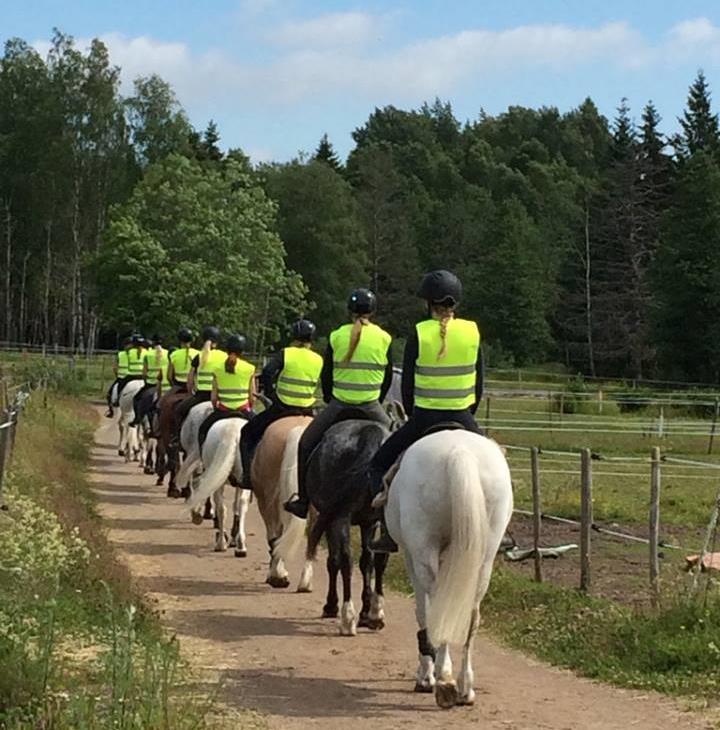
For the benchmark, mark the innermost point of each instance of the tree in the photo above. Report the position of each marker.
(194, 244)
(325, 152)
(318, 222)
(699, 125)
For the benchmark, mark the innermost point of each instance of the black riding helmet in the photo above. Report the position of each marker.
(362, 301)
(157, 340)
(441, 287)
(236, 344)
(185, 335)
(210, 333)
(137, 339)
(303, 330)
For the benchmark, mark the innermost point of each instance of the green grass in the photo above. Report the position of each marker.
(78, 646)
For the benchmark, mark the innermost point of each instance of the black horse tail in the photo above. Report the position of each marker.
(369, 439)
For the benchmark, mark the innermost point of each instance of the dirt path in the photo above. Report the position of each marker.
(276, 656)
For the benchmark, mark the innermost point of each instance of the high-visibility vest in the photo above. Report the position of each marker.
(446, 383)
(136, 360)
(122, 363)
(181, 360)
(157, 368)
(360, 380)
(215, 361)
(234, 388)
(298, 380)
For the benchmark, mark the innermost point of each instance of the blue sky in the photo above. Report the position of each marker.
(277, 74)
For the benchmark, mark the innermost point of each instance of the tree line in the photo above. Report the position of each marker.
(579, 239)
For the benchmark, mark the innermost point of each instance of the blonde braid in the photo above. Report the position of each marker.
(444, 314)
(360, 322)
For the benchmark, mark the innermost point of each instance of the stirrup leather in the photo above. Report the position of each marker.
(381, 499)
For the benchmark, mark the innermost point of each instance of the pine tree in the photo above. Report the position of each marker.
(209, 144)
(699, 125)
(325, 152)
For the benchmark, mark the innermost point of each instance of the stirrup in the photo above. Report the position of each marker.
(383, 543)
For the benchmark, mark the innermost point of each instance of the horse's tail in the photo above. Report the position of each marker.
(316, 532)
(456, 588)
(217, 472)
(190, 463)
(293, 528)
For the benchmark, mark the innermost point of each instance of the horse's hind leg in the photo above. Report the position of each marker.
(330, 609)
(425, 676)
(221, 542)
(366, 568)
(376, 617)
(348, 617)
(240, 510)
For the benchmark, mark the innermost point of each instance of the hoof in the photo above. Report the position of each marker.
(466, 700)
(276, 582)
(304, 589)
(173, 492)
(219, 549)
(149, 471)
(446, 694)
(197, 518)
(121, 452)
(348, 630)
(425, 689)
(185, 492)
(374, 624)
(329, 613)
(240, 553)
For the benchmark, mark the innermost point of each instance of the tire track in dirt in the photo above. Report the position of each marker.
(276, 656)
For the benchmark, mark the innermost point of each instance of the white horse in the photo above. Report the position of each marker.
(221, 460)
(130, 436)
(448, 507)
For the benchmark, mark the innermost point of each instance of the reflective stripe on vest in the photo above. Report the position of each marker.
(156, 366)
(446, 383)
(360, 380)
(122, 363)
(234, 388)
(135, 361)
(215, 361)
(181, 360)
(298, 380)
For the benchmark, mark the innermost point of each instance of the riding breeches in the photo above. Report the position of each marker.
(333, 413)
(182, 408)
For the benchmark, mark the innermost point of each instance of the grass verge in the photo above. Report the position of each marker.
(78, 646)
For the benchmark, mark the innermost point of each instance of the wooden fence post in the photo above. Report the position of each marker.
(714, 425)
(487, 415)
(586, 518)
(537, 510)
(654, 526)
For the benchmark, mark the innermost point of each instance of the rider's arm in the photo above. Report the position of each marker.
(326, 376)
(191, 375)
(269, 375)
(480, 370)
(387, 381)
(145, 368)
(251, 391)
(407, 385)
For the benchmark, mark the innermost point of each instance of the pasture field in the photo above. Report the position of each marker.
(79, 647)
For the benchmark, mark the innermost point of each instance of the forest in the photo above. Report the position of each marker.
(580, 240)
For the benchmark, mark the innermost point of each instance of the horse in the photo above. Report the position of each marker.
(274, 481)
(190, 444)
(149, 449)
(448, 507)
(221, 460)
(338, 488)
(166, 420)
(129, 441)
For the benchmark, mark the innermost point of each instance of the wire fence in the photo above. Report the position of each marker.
(12, 401)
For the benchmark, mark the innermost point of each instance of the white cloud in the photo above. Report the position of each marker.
(334, 30)
(698, 38)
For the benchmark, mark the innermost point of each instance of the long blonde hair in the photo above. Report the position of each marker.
(359, 321)
(205, 354)
(443, 314)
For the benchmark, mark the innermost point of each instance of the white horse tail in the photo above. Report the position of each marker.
(293, 527)
(218, 471)
(455, 594)
(191, 462)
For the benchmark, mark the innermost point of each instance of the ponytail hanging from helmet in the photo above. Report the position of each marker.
(444, 314)
(361, 321)
(205, 354)
(230, 363)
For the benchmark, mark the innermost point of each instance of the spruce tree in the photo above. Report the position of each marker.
(325, 152)
(699, 125)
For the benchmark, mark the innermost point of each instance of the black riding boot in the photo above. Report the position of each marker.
(382, 542)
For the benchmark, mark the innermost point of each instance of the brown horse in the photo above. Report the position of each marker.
(274, 481)
(165, 463)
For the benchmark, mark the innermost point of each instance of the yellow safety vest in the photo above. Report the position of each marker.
(298, 380)
(446, 383)
(122, 363)
(360, 380)
(157, 368)
(234, 388)
(215, 361)
(135, 361)
(181, 360)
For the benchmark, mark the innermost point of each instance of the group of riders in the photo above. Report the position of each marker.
(442, 381)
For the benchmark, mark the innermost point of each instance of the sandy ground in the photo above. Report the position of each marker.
(275, 655)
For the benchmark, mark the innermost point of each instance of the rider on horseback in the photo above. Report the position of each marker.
(289, 380)
(200, 377)
(181, 360)
(135, 363)
(356, 375)
(442, 379)
(120, 368)
(232, 387)
(155, 374)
